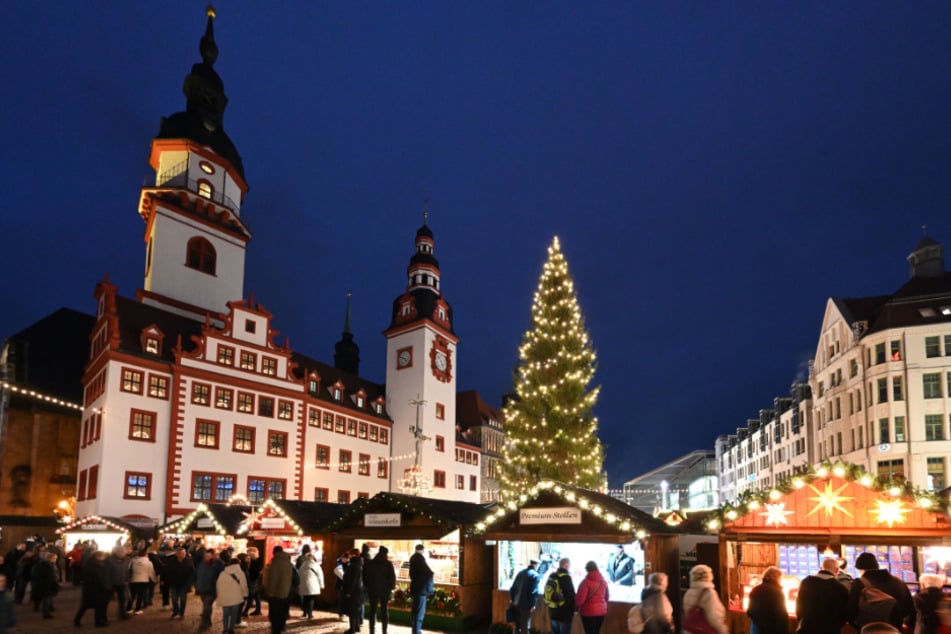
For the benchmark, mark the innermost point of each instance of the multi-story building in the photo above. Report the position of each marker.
(878, 392)
(687, 483)
(481, 425)
(189, 396)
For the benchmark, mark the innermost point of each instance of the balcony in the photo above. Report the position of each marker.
(177, 177)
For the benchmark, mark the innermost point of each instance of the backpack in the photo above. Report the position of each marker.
(874, 605)
(635, 620)
(554, 597)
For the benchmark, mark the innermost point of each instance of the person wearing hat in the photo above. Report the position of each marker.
(871, 575)
(524, 594)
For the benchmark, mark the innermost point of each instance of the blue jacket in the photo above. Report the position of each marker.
(524, 590)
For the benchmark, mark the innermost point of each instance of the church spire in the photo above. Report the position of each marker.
(346, 351)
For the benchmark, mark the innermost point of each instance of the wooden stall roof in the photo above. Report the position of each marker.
(311, 517)
(831, 505)
(113, 522)
(226, 519)
(603, 518)
(443, 515)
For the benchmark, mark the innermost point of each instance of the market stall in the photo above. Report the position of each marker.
(104, 533)
(835, 511)
(459, 560)
(218, 526)
(292, 524)
(553, 520)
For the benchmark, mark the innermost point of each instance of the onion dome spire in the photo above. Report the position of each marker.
(346, 351)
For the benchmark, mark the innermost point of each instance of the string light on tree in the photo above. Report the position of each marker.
(551, 432)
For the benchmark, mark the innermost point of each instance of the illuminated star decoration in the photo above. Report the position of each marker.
(829, 500)
(251, 518)
(775, 514)
(890, 512)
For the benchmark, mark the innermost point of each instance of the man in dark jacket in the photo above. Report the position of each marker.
(561, 615)
(822, 601)
(353, 591)
(44, 585)
(524, 595)
(278, 582)
(117, 565)
(206, 580)
(96, 589)
(179, 573)
(420, 587)
(379, 579)
(869, 572)
(255, 567)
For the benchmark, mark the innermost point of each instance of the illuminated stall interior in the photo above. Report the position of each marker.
(292, 524)
(104, 532)
(837, 511)
(218, 526)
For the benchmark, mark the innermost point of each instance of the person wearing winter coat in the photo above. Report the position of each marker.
(592, 599)
(656, 608)
(702, 594)
(353, 591)
(8, 614)
(232, 590)
(379, 580)
(96, 589)
(311, 583)
(179, 573)
(278, 581)
(904, 610)
(141, 574)
(927, 600)
(767, 607)
(255, 568)
(524, 595)
(339, 569)
(562, 615)
(420, 586)
(206, 578)
(43, 583)
(821, 602)
(117, 566)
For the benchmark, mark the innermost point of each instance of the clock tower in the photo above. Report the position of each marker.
(421, 376)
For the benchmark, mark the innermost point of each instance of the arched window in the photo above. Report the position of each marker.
(201, 256)
(205, 189)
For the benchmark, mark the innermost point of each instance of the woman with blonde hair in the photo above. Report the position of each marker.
(767, 609)
(927, 601)
(701, 603)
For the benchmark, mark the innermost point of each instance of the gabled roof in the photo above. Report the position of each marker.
(900, 309)
(472, 411)
(448, 513)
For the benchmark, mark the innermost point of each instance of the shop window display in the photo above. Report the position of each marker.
(612, 561)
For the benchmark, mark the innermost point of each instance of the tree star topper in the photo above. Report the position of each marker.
(829, 500)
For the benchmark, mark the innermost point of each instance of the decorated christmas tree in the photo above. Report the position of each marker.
(550, 430)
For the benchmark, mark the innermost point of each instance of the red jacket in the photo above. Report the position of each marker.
(592, 595)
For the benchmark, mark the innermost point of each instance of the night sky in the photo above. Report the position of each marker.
(715, 171)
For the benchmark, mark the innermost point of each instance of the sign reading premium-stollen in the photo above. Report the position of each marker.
(555, 515)
(382, 519)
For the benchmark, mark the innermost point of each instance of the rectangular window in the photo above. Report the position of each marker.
(243, 439)
(225, 355)
(362, 430)
(931, 385)
(374, 433)
(898, 388)
(853, 368)
(321, 495)
(138, 486)
(934, 427)
(151, 345)
(937, 474)
(206, 433)
(351, 427)
(891, 468)
(248, 360)
(932, 347)
(473, 483)
(328, 421)
(340, 425)
(81, 492)
(276, 443)
(201, 393)
(460, 481)
(899, 429)
(256, 490)
(385, 436)
(269, 366)
(346, 457)
(440, 411)
(363, 465)
(142, 425)
(440, 443)
(879, 353)
(381, 468)
(266, 406)
(883, 390)
(246, 402)
(223, 398)
(275, 489)
(158, 386)
(92, 488)
(285, 410)
(201, 486)
(439, 479)
(896, 350)
(313, 417)
(224, 488)
(323, 457)
(131, 381)
(343, 497)
(947, 345)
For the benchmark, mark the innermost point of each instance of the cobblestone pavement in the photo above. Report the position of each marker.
(155, 620)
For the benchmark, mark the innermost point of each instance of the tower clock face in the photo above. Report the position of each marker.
(404, 358)
(441, 358)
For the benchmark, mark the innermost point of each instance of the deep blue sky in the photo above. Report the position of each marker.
(715, 171)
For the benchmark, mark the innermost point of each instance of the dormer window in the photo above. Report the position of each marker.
(250, 325)
(404, 309)
(378, 408)
(360, 402)
(338, 394)
(151, 345)
(205, 190)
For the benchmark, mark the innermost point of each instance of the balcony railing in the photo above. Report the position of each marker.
(177, 176)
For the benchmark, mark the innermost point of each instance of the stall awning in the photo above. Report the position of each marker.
(838, 499)
(224, 519)
(554, 507)
(99, 523)
(446, 514)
